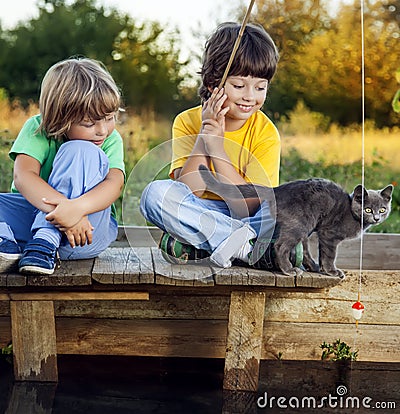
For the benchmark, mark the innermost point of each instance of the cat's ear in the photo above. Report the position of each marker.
(358, 193)
(386, 193)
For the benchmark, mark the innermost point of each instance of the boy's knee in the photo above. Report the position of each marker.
(77, 149)
(152, 193)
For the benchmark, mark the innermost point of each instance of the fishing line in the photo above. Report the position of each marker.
(358, 307)
(236, 44)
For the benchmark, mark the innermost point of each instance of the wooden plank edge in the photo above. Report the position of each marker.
(45, 296)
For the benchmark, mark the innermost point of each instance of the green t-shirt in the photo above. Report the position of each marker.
(44, 149)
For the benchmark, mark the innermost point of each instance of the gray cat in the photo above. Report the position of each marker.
(307, 206)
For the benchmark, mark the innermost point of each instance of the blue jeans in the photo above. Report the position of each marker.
(203, 223)
(77, 168)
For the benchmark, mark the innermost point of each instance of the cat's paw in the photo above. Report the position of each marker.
(335, 273)
(294, 271)
(311, 266)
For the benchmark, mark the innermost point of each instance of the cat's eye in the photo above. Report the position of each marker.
(382, 210)
(368, 210)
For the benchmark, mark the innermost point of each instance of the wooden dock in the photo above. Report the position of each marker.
(129, 301)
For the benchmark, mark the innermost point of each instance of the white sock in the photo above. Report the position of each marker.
(239, 240)
(244, 251)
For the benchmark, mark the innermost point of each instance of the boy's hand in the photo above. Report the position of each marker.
(65, 215)
(213, 121)
(81, 233)
(213, 111)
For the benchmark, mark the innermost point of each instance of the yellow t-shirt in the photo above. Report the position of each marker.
(254, 149)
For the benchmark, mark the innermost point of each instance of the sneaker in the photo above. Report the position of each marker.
(268, 261)
(173, 251)
(39, 257)
(10, 253)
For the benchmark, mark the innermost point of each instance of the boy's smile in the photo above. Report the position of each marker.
(245, 96)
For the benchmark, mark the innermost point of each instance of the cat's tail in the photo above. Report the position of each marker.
(232, 191)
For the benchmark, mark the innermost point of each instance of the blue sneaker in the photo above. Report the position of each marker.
(10, 253)
(39, 257)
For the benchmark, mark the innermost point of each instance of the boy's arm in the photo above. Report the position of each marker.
(98, 198)
(28, 182)
(63, 213)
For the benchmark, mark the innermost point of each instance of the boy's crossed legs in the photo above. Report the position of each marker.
(78, 167)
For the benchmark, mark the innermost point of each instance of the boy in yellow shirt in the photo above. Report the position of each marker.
(230, 135)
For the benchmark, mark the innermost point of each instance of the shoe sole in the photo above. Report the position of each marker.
(9, 262)
(35, 270)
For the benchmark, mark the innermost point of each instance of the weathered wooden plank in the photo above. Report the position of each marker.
(381, 249)
(207, 339)
(302, 340)
(4, 307)
(138, 236)
(235, 275)
(16, 280)
(140, 337)
(317, 280)
(5, 331)
(162, 269)
(289, 307)
(139, 268)
(70, 273)
(34, 341)
(3, 280)
(66, 296)
(380, 252)
(109, 267)
(169, 306)
(244, 341)
(260, 278)
(284, 281)
(179, 275)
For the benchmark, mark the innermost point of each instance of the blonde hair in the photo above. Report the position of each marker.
(73, 89)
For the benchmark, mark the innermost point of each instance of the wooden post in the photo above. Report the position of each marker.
(244, 341)
(34, 340)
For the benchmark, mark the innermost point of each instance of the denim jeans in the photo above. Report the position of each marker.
(77, 168)
(203, 223)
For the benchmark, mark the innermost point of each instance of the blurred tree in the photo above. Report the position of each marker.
(330, 65)
(59, 32)
(143, 59)
(146, 62)
(292, 24)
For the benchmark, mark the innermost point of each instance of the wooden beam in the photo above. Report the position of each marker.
(34, 341)
(244, 341)
(45, 296)
(207, 339)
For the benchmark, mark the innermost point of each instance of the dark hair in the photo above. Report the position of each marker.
(256, 56)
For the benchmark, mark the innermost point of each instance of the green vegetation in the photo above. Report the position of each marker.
(7, 353)
(337, 351)
(320, 53)
(396, 98)
(315, 97)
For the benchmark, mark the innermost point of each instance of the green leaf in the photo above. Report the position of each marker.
(398, 75)
(396, 102)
